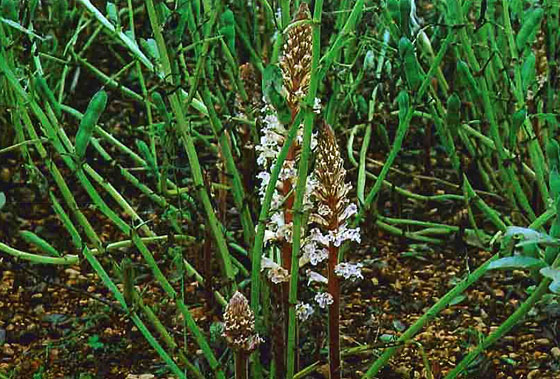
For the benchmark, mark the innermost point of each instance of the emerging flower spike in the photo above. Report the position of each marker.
(333, 207)
(239, 325)
(296, 59)
(252, 81)
(332, 215)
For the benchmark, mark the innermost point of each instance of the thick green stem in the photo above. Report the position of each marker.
(300, 189)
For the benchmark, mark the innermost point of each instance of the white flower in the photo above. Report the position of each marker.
(276, 273)
(269, 235)
(344, 234)
(316, 235)
(285, 232)
(317, 105)
(314, 140)
(310, 187)
(313, 276)
(289, 170)
(324, 299)
(350, 210)
(265, 179)
(277, 220)
(303, 311)
(349, 270)
(313, 254)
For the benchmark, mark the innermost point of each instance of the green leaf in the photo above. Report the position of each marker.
(516, 262)
(528, 72)
(457, 299)
(2, 200)
(94, 109)
(531, 25)
(150, 47)
(40, 243)
(386, 338)
(95, 343)
(551, 273)
(555, 286)
(113, 14)
(227, 20)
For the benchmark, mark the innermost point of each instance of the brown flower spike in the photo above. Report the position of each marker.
(239, 325)
(296, 59)
(332, 192)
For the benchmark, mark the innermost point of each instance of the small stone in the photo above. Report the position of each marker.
(72, 274)
(39, 310)
(555, 352)
(542, 342)
(533, 374)
(7, 350)
(499, 293)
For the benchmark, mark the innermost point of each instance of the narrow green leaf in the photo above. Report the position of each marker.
(516, 262)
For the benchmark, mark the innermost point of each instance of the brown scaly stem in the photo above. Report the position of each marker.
(332, 214)
(334, 316)
(295, 64)
(241, 367)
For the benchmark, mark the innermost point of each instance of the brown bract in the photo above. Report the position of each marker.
(331, 193)
(296, 58)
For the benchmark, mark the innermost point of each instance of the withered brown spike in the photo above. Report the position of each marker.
(252, 81)
(296, 59)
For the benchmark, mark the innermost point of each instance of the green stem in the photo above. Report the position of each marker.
(503, 329)
(300, 189)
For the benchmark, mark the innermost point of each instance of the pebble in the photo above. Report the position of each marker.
(73, 274)
(499, 293)
(542, 342)
(533, 374)
(555, 352)
(39, 310)
(7, 350)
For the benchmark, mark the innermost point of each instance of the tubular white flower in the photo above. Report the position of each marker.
(276, 273)
(313, 276)
(304, 311)
(316, 235)
(350, 210)
(324, 299)
(313, 254)
(317, 105)
(349, 270)
(342, 234)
